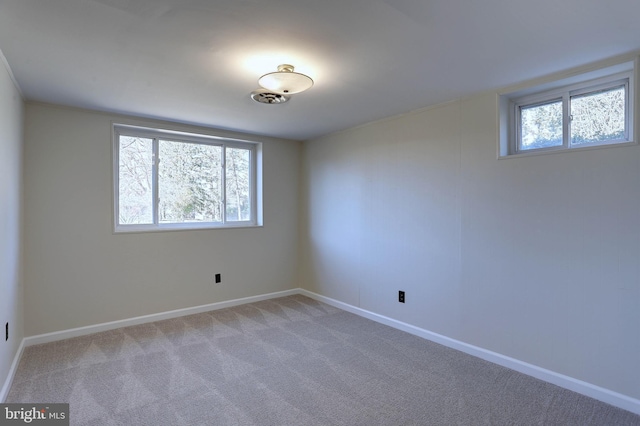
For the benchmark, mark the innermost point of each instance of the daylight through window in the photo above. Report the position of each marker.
(592, 109)
(166, 180)
(587, 116)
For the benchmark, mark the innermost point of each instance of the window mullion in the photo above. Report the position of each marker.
(516, 126)
(566, 120)
(628, 110)
(223, 183)
(253, 185)
(154, 181)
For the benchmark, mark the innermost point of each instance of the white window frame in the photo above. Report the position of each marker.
(592, 80)
(564, 95)
(156, 135)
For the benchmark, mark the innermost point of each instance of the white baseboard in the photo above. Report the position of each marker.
(90, 329)
(12, 372)
(602, 394)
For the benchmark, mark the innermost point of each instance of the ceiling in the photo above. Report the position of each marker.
(196, 61)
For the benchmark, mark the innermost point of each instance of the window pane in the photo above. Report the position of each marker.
(189, 182)
(134, 180)
(598, 117)
(541, 126)
(238, 184)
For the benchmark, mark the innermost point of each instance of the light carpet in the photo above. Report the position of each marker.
(287, 361)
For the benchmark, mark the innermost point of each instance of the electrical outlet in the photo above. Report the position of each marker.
(6, 332)
(401, 296)
(218, 279)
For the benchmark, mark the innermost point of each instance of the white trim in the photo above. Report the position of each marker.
(3, 59)
(153, 132)
(605, 395)
(90, 329)
(12, 372)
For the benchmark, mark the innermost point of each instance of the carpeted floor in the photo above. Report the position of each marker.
(287, 361)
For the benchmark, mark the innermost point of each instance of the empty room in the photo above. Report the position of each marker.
(278, 212)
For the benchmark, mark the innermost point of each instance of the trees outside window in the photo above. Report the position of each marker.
(581, 115)
(182, 182)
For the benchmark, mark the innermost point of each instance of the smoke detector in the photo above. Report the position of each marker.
(265, 96)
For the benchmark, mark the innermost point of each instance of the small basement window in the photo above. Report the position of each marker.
(589, 110)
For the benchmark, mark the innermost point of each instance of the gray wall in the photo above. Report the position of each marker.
(11, 294)
(78, 273)
(534, 258)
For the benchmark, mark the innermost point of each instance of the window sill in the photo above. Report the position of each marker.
(137, 229)
(538, 152)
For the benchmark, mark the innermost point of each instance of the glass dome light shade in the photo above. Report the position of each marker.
(285, 81)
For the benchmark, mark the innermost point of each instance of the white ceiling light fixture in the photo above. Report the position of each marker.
(285, 81)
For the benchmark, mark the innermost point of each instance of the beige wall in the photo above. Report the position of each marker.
(534, 258)
(78, 273)
(11, 293)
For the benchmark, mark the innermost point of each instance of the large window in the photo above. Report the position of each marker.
(171, 180)
(588, 110)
